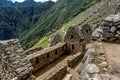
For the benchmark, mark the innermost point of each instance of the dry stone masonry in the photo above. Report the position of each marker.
(13, 62)
(94, 64)
(111, 28)
(118, 8)
(44, 57)
(77, 37)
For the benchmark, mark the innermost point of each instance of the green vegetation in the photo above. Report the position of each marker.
(60, 13)
(16, 22)
(90, 16)
(31, 24)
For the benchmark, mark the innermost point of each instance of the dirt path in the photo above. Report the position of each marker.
(113, 57)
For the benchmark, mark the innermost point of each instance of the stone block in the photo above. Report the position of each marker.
(19, 70)
(113, 29)
(105, 76)
(92, 68)
(103, 64)
(96, 77)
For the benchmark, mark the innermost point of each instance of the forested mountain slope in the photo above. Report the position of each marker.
(14, 21)
(31, 23)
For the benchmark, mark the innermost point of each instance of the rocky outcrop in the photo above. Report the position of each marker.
(94, 64)
(57, 39)
(13, 62)
(111, 28)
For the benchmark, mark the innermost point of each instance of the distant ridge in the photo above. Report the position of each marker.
(4, 3)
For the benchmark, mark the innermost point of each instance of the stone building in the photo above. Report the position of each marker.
(77, 37)
(13, 62)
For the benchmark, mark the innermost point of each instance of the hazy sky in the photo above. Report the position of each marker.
(34, 0)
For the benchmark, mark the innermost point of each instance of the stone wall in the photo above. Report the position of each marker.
(111, 28)
(87, 31)
(45, 56)
(30, 51)
(118, 8)
(58, 73)
(94, 65)
(74, 59)
(13, 62)
(77, 37)
(74, 42)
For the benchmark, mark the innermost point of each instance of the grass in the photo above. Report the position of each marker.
(43, 42)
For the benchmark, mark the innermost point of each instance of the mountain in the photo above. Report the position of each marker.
(31, 23)
(60, 13)
(15, 20)
(19, 4)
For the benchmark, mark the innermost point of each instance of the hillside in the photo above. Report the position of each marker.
(60, 13)
(16, 21)
(93, 15)
(30, 23)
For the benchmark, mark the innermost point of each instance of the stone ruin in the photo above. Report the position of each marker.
(43, 57)
(13, 62)
(111, 28)
(77, 37)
